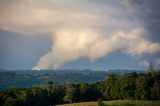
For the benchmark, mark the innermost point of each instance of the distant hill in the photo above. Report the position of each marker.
(29, 78)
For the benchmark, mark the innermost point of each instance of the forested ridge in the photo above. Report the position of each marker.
(30, 78)
(134, 86)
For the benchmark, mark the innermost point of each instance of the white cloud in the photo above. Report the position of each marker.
(72, 44)
(79, 28)
(37, 16)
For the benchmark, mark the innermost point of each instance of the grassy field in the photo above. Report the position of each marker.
(117, 103)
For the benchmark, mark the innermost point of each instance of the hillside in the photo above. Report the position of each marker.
(129, 86)
(29, 78)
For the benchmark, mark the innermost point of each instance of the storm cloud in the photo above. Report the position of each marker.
(80, 28)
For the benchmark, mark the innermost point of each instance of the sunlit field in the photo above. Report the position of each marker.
(117, 103)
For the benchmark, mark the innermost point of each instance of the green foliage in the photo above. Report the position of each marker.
(100, 103)
(36, 96)
(50, 84)
(155, 91)
(70, 93)
(128, 86)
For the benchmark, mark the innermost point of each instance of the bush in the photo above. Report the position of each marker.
(100, 103)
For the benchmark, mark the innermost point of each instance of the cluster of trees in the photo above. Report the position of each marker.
(131, 86)
(128, 86)
(35, 96)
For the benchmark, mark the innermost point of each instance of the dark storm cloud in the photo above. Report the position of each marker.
(149, 14)
(84, 28)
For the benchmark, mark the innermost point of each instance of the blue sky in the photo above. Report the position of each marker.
(79, 34)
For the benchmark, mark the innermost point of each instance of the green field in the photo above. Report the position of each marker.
(117, 103)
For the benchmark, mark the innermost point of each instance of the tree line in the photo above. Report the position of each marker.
(143, 86)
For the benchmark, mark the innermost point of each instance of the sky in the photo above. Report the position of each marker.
(79, 34)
